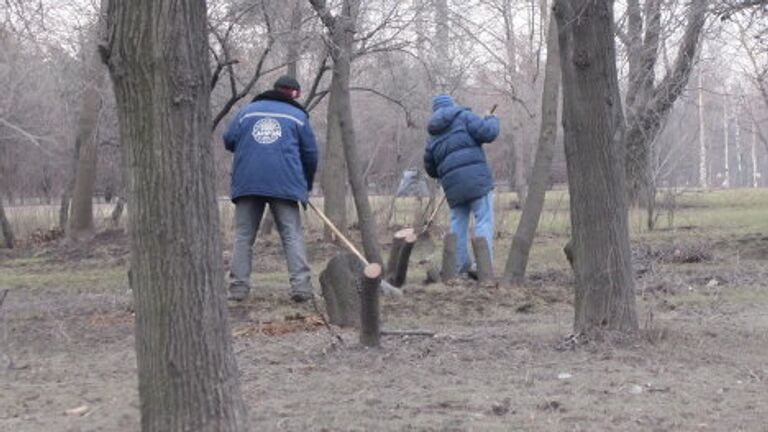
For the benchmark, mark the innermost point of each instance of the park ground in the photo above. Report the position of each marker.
(500, 358)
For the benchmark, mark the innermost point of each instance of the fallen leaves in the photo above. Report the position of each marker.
(290, 324)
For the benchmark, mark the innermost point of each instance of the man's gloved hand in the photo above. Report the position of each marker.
(304, 205)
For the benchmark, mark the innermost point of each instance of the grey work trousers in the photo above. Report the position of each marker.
(248, 214)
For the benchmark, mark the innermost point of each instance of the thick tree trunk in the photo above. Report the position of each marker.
(529, 220)
(188, 378)
(605, 297)
(9, 241)
(334, 174)
(81, 226)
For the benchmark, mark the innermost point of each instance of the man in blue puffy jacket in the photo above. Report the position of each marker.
(275, 159)
(454, 154)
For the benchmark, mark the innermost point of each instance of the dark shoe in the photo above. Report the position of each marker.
(472, 272)
(301, 297)
(238, 292)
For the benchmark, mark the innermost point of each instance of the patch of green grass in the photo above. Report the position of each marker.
(80, 279)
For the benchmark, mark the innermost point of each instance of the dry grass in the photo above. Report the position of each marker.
(698, 365)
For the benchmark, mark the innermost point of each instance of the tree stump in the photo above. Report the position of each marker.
(370, 330)
(399, 256)
(483, 259)
(433, 276)
(449, 270)
(340, 281)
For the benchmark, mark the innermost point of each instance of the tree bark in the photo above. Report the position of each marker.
(605, 298)
(293, 52)
(755, 161)
(370, 329)
(399, 256)
(342, 29)
(726, 145)
(334, 174)
(449, 270)
(292, 60)
(5, 228)
(522, 242)
(188, 378)
(483, 258)
(117, 212)
(703, 166)
(737, 143)
(339, 282)
(521, 186)
(64, 208)
(649, 104)
(81, 226)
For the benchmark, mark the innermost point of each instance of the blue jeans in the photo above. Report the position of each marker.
(482, 208)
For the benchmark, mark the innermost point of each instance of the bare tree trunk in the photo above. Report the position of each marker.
(726, 144)
(605, 297)
(5, 228)
(755, 162)
(334, 174)
(703, 167)
(649, 104)
(739, 155)
(117, 212)
(342, 28)
(292, 61)
(521, 188)
(483, 258)
(449, 266)
(441, 40)
(81, 226)
(529, 220)
(292, 56)
(64, 209)
(188, 378)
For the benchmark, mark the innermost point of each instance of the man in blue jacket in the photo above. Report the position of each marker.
(275, 159)
(454, 154)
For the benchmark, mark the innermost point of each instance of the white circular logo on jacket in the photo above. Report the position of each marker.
(267, 131)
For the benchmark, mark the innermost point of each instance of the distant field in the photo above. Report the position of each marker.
(497, 361)
(731, 209)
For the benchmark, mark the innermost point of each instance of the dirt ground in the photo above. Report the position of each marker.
(500, 358)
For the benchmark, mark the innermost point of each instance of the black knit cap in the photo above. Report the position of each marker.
(287, 81)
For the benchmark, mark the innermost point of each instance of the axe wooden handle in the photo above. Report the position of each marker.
(338, 233)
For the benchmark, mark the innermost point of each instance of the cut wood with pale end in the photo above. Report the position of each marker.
(483, 259)
(399, 256)
(449, 270)
(370, 329)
